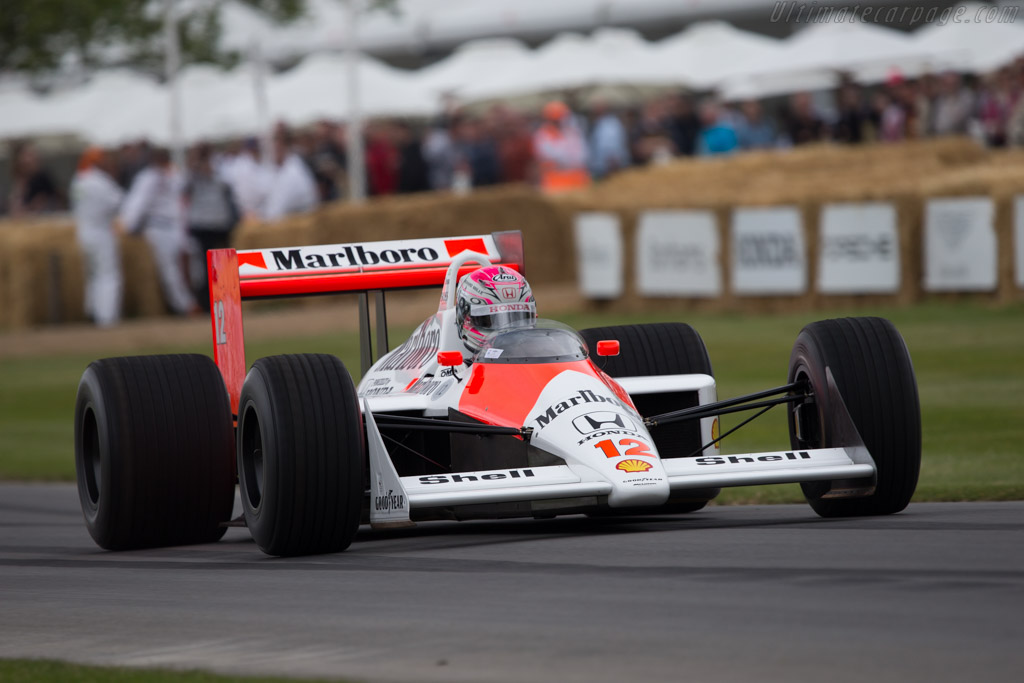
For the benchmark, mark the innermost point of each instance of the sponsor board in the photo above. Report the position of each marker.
(356, 257)
(678, 254)
(960, 249)
(598, 239)
(768, 252)
(858, 250)
(1018, 239)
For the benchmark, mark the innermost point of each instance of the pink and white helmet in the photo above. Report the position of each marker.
(489, 299)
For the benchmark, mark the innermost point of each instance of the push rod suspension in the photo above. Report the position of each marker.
(732, 405)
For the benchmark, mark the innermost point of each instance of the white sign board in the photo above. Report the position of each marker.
(677, 254)
(1018, 238)
(959, 245)
(599, 254)
(768, 252)
(858, 249)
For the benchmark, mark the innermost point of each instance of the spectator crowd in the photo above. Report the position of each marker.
(183, 212)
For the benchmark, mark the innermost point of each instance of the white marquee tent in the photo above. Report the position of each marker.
(473, 62)
(570, 61)
(706, 53)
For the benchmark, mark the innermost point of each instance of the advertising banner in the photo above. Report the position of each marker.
(858, 249)
(959, 245)
(598, 238)
(677, 254)
(768, 252)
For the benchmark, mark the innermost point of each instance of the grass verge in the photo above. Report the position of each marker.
(967, 356)
(46, 671)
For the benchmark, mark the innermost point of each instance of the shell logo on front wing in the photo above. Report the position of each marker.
(633, 465)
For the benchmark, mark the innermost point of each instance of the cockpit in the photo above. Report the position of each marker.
(539, 341)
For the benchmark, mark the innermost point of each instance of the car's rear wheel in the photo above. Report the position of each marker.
(300, 454)
(873, 372)
(153, 446)
(661, 349)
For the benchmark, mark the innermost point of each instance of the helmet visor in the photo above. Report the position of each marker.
(492, 317)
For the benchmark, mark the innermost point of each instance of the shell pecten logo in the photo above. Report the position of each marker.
(633, 465)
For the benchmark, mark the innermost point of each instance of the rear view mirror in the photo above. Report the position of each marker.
(608, 347)
(448, 359)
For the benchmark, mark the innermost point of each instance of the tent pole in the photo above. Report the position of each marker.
(259, 85)
(354, 129)
(172, 63)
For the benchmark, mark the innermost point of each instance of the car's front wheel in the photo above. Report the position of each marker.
(872, 370)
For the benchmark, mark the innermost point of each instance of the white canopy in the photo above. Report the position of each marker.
(22, 109)
(811, 59)
(706, 53)
(571, 61)
(205, 92)
(974, 44)
(77, 111)
(476, 61)
(316, 89)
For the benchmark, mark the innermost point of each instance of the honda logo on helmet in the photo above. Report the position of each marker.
(508, 292)
(592, 422)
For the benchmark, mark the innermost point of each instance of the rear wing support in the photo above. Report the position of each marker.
(368, 269)
(367, 356)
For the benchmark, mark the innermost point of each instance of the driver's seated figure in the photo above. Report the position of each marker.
(490, 299)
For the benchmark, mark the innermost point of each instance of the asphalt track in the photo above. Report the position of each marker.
(767, 593)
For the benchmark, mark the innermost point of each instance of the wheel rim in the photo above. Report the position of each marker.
(252, 458)
(92, 460)
(806, 416)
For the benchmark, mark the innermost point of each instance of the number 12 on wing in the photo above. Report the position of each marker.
(633, 447)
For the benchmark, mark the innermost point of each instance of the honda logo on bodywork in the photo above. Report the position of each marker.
(605, 419)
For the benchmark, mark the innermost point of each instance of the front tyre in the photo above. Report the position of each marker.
(153, 446)
(300, 455)
(873, 372)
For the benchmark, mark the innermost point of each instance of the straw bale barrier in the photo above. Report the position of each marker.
(41, 269)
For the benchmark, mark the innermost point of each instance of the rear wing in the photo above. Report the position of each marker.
(366, 268)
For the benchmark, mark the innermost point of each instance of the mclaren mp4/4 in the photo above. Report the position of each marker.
(541, 421)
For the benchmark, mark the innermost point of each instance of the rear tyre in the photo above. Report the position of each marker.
(875, 377)
(300, 454)
(153, 446)
(661, 349)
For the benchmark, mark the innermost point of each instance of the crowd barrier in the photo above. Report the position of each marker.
(817, 227)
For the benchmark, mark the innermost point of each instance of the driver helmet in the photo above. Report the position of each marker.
(489, 299)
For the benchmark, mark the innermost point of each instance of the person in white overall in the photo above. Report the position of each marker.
(155, 206)
(95, 200)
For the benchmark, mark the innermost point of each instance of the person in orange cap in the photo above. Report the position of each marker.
(95, 201)
(560, 150)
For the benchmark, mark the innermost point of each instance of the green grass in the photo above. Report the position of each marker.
(969, 360)
(45, 671)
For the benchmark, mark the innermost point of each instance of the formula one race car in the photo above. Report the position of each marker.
(484, 412)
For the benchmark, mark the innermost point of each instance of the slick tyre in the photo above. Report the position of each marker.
(660, 349)
(153, 451)
(874, 375)
(300, 455)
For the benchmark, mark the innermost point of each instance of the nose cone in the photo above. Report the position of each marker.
(579, 419)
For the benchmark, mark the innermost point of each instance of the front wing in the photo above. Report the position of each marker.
(392, 497)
